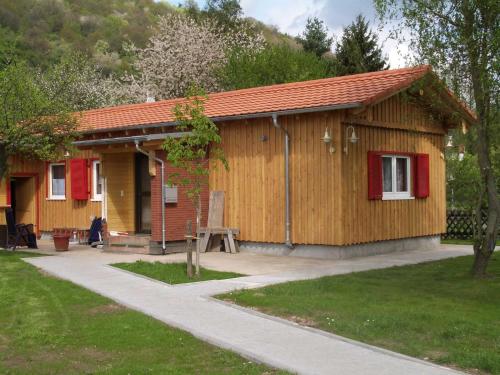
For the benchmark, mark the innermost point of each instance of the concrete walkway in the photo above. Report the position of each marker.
(259, 337)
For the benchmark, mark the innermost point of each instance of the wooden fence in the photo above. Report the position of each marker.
(460, 224)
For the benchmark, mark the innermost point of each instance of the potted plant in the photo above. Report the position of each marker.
(61, 239)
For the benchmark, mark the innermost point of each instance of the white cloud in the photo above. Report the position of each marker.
(291, 16)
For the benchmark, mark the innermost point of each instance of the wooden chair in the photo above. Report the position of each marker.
(215, 232)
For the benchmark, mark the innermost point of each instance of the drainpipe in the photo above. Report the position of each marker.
(162, 165)
(288, 241)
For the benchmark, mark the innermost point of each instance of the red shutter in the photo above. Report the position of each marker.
(374, 175)
(79, 179)
(421, 176)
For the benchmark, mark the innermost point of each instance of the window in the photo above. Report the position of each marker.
(57, 181)
(96, 181)
(396, 177)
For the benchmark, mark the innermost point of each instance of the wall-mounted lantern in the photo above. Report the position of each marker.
(461, 152)
(350, 139)
(460, 149)
(328, 140)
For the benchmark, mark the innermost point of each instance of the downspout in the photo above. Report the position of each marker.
(288, 241)
(162, 165)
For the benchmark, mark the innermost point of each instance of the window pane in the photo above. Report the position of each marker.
(58, 180)
(58, 172)
(98, 188)
(387, 173)
(401, 174)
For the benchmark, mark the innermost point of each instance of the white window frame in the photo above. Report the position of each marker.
(398, 195)
(96, 197)
(52, 196)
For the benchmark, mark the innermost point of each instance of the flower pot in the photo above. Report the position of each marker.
(61, 242)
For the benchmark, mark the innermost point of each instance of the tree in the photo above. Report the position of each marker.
(33, 124)
(461, 40)
(226, 13)
(182, 53)
(315, 37)
(80, 85)
(358, 51)
(274, 64)
(191, 151)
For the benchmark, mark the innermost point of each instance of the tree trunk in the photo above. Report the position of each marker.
(485, 241)
(480, 264)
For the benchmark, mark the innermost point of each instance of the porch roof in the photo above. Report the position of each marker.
(324, 94)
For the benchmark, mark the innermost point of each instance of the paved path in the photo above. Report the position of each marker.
(259, 337)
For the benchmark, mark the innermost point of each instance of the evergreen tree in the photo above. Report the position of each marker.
(359, 52)
(315, 37)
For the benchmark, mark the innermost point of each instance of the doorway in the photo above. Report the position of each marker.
(23, 199)
(142, 194)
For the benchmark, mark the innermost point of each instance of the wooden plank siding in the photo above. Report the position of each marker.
(372, 220)
(329, 197)
(255, 182)
(66, 213)
(404, 127)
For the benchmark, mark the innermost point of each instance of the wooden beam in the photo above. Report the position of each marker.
(387, 125)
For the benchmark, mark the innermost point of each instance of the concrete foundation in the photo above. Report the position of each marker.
(344, 252)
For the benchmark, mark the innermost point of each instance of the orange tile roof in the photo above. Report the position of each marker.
(353, 90)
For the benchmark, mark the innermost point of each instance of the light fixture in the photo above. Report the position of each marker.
(327, 139)
(450, 141)
(353, 138)
(461, 152)
(66, 154)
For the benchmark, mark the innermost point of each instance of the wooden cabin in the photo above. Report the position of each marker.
(333, 167)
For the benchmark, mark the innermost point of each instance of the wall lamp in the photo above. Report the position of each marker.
(328, 140)
(460, 148)
(352, 139)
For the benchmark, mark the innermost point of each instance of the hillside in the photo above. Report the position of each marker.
(44, 30)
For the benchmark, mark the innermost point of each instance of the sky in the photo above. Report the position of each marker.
(291, 16)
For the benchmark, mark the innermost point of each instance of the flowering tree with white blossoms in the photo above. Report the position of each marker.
(78, 83)
(183, 53)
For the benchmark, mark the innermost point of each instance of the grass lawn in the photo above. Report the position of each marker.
(173, 273)
(434, 310)
(462, 242)
(51, 326)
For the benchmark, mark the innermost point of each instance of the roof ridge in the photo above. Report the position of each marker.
(321, 81)
(260, 89)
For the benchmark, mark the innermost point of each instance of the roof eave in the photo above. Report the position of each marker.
(296, 111)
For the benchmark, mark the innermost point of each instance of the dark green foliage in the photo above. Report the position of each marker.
(315, 37)
(50, 326)
(463, 181)
(433, 310)
(227, 13)
(47, 29)
(35, 123)
(173, 273)
(279, 63)
(359, 52)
